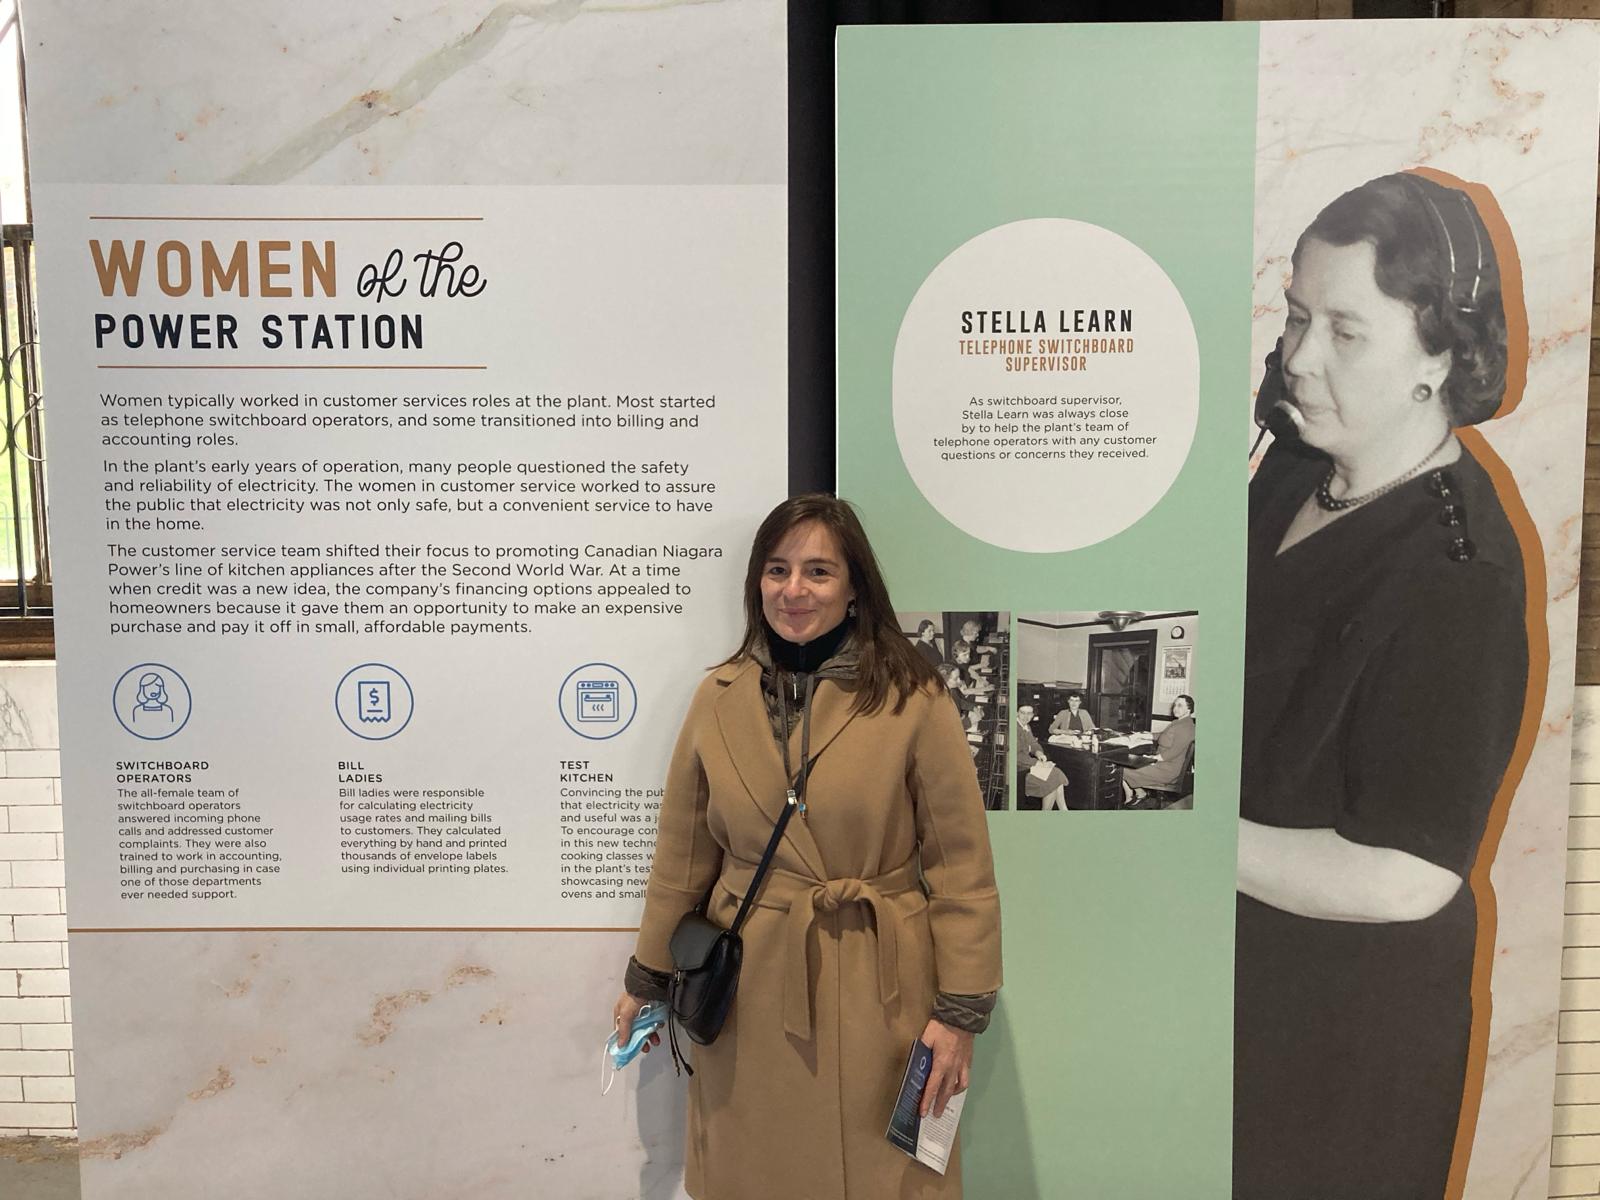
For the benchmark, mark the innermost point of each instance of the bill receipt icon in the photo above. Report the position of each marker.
(374, 702)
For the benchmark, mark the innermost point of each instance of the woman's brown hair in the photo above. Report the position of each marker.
(888, 664)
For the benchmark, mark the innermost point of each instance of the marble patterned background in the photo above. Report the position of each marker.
(384, 1064)
(1481, 102)
(363, 1064)
(474, 92)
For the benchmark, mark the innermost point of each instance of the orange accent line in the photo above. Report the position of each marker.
(1478, 878)
(361, 929)
(1515, 308)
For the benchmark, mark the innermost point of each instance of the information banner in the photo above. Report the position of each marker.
(406, 437)
(394, 502)
(1280, 853)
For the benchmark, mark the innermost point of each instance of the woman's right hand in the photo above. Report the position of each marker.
(622, 1018)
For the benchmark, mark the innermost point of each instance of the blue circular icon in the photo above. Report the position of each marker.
(151, 701)
(597, 701)
(374, 701)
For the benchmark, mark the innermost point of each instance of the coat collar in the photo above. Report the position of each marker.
(741, 715)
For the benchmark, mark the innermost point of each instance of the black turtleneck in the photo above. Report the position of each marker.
(797, 658)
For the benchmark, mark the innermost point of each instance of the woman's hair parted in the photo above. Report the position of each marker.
(1432, 250)
(888, 664)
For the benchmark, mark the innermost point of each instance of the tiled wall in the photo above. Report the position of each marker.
(1575, 1152)
(36, 1093)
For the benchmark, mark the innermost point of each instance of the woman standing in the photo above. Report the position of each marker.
(878, 924)
(974, 654)
(926, 643)
(1386, 664)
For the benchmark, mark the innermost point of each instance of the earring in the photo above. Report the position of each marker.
(1422, 393)
(850, 609)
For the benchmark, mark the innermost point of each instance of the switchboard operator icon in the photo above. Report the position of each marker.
(152, 707)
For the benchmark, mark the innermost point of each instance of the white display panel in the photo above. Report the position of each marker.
(395, 633)
(398, 1033)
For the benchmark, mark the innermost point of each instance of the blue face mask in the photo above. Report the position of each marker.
(651, 1018)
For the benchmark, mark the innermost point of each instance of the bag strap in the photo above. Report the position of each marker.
(680, 1060)
(799, 780)
(794, 800)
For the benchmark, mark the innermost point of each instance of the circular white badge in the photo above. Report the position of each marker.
(1046, 385)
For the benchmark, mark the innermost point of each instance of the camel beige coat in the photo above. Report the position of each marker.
(845, 952)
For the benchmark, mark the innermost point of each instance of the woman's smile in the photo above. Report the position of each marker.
(805, 588)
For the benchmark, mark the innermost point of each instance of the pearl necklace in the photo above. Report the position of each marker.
(1327, 501)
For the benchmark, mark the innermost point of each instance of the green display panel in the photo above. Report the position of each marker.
(1108, 1069)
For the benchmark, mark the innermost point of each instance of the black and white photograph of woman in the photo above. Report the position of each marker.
(1387, 659)
(1171, 757)
(971, 651)
(1106, 710)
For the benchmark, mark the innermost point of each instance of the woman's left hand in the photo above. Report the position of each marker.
(952, 1065)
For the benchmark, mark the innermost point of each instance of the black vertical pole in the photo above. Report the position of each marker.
(811, 247)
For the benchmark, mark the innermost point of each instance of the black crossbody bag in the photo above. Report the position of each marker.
(706, 957)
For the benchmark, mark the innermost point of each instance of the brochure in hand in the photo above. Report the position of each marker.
(928, 1139)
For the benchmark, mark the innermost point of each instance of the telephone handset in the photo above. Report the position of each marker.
(1273, 413)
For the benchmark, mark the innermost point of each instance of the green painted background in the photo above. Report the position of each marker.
(1107, 1073)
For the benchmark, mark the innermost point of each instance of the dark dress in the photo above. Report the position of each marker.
(1031, 790)
(1067, 721)
(1172, 743)
(1384, 687)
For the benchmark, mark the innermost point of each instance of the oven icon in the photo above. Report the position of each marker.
(598, 700)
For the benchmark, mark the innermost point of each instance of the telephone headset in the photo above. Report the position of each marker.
(1275, 414)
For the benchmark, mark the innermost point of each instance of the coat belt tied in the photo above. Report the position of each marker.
(803, 898)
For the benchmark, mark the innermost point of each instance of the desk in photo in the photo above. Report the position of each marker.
(1094, 778)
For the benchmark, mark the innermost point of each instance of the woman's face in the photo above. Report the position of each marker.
(925, 633)
(805, 589)
(962, 655)
(1351, 356)
(1074, 703)
(1180, 708)
(969, 631)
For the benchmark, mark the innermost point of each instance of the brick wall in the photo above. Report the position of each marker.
(1575, 1147)
(36, 1093)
